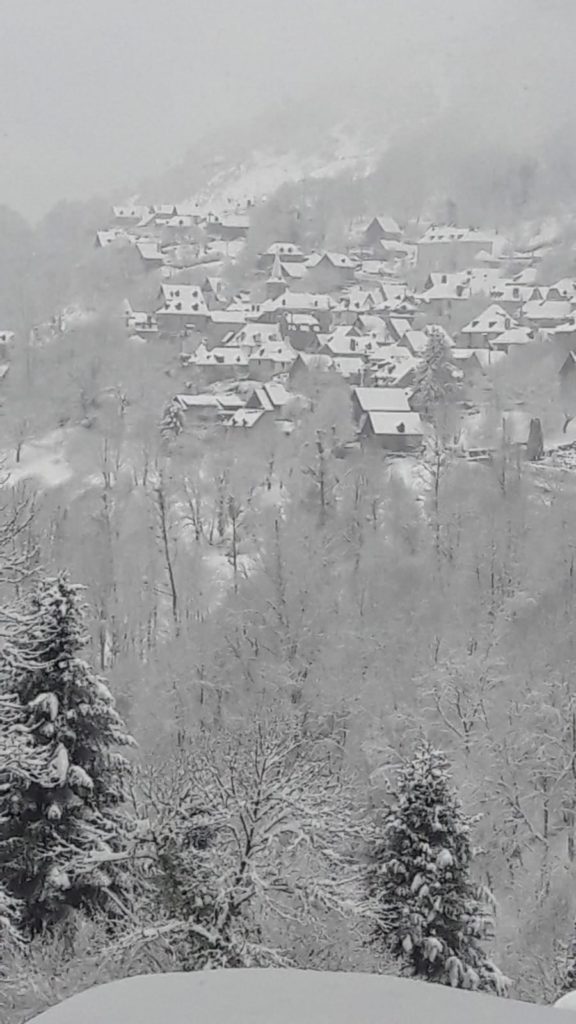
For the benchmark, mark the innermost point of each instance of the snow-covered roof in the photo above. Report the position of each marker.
(113, 236)
(244, 418)
(254, 334)
(389, 423)
(305, 302)
(348, 365)
(382, 399)
(183, 298)
(284, 249)
(130, 211)
(515, 336)
(387, 224)
(492, 320)
(219, 356)
(149, 251)
(446, 234)
(560, 310)
(197, 402)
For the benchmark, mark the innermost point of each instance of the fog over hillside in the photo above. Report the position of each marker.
(110, 93)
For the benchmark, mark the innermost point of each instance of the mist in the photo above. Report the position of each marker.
(100, 94)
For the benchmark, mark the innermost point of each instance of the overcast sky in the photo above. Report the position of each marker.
(97, 93)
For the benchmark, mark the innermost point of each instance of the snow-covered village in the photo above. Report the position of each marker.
(287, 532)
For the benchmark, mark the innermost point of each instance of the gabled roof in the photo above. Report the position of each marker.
(284, 249)
(304, 302)
(544, 310)
(219, 356)
(253, 335)
(114, 235)
(515, 336)
(387, 224)
(390, 424)
(382, 399)
(446, 234)
(197, 402)
(186, 299)
(244, 418)
(494, 319)
(149, 251)
(129, 211)
(272, 351)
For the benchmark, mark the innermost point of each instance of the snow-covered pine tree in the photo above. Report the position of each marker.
(172, 423)
(426, 909)
(436, 384)
(62, 825)
(568, 982)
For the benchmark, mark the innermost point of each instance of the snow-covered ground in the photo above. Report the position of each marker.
(267, 170)
(41, 461)
(271, 996)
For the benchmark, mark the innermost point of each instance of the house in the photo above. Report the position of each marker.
(220, 363)
(254, 335)
(564, 289)
(381, 228)
(229, 227)
(392, 431)
(201, 409)
(302, 330)
(150, 254)
(270, 358)
(416, 342)
(482, 331)
(447, 249)
(515, 336)
(213, 290)
(116, 237)
(379, 400)
(331, 271)
(184, 306)
(284, 252)
(130, 213)
(547, 313)
(398, 328)
(318, 305)
(271, 398)
(307, 363)
(224, 322)
(392, 366)
(246, 419)
(139, 322)
(442, 292)
(351, 367)
(352, 303)
(511, 295)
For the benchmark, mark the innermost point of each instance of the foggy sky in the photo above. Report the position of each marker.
(95, 94)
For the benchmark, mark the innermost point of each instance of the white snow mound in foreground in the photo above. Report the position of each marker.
(567, 1002)
(272, 996)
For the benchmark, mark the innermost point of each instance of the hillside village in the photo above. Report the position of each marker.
(365, 314)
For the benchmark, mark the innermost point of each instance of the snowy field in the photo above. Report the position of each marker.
(287, 997)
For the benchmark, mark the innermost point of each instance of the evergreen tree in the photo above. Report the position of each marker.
(62, 825)
(172, 423)
(426, 909)
(568, 980)
(436, 385)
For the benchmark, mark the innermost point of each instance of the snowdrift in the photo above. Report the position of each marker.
(286, 997)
